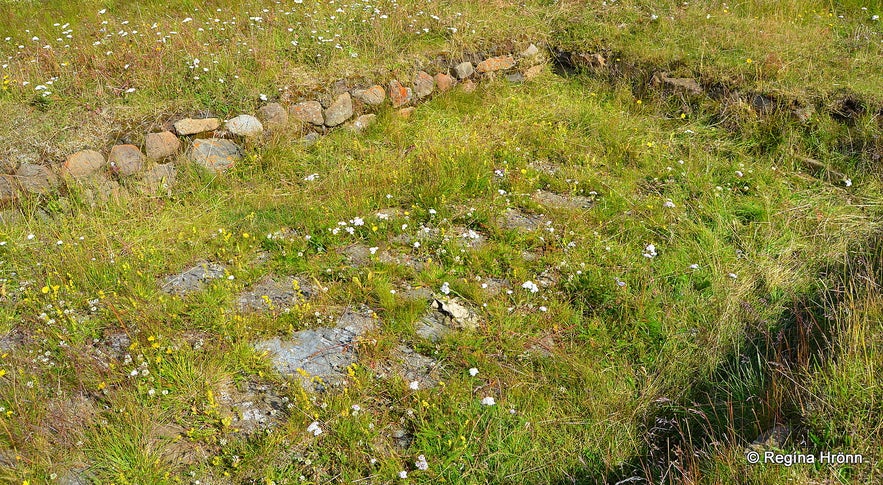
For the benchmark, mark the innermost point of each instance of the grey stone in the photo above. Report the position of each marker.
(463, 70)
(446, 313)
(310, 138)
(515, 219)
(364, 121)
(125, 160)
(423, 85)
(323, 354)
(215, 154)
(35, 179)
(308, 112)
(8, 188)
(340, 110)
(412, 366)
(191, 126)
(273, 116)
(275, 295)
(161, 145)
(160, 176)
(373, 96)
(531, 51)
(193, 279)
(559, 201)
(515, 78)
(83, 163)
(244, 125)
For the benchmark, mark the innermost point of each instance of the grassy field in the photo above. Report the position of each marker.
(715, 287)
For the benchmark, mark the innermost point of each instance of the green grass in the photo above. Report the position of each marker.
(780, 322)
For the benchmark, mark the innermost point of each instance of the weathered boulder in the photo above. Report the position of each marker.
(444, 82)
(125, 160)
(8, 188)
(308, 112)
(398, 94)
(423, 85)
(340, 110)
(463, 70)
(244, 125)
(373, 96)
(215, 154)
(161, 145)
(36, 179)
(273, 116)
(83, 163)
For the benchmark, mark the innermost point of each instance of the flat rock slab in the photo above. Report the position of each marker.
(551, 199)
(191, 126)
(445, 315)
(244, 125)
(517, 220)
(214, 154)
(275, 294)
(412, 366)
(495, 64)
(319, 357)
(494, 286)
(193, 279)
(254, 409)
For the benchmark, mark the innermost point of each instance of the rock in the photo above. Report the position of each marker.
(412, 366)
(772, 438)
(398, 94)
(161, 176)
(244, 125)
(373, 96)
(531, 51)
(406, 113)
(494, 286)
(215, 154)
(364, 121)
(444, 82)
(74, 477)
(763, 104)
(126, 160)
(446, 314)
(515, 219)
(495, 64)
(562, 201)
(515, 77)
(273, 116)
(35, 179)
(275, 295)
(102, 189)
(357, 254)
(467, 86)
(190, 126)
(8, 188)
(683, 83)
(463, 70)
(533, 72)
(83, 163)
(320, 357)
(340, 110)
(308, 112)
(423, 85)
(161, 145)
(193, 279)
(254, 408)
(310, 138)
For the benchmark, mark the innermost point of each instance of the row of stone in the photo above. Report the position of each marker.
(218, 153)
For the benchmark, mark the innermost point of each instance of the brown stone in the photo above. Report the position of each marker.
(215, 154)
(533, 72)
(83, 163)
(273, 116)
(191, 126)
(406, 113)
(125, 159)
(495, 64)
(423, 85)
(36, 179)
(161, 145)
(308, 112)
(8, 188)
(467, 86)
(339, 111)
(444, 82)
(398, 94)
(373, 96)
